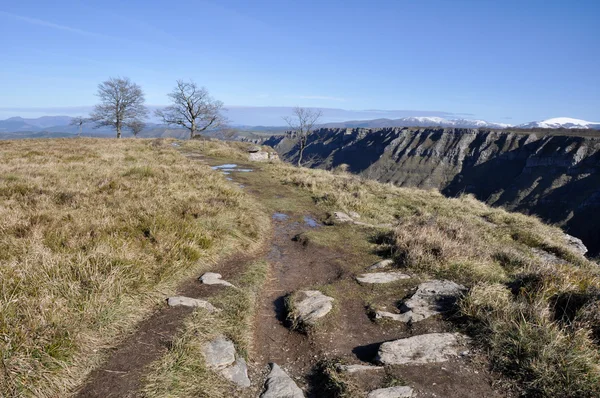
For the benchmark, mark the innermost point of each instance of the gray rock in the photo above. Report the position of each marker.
(177, 301)
(358, 368)
(431, 298)
(425, 348)
(381, 264)
(219, 353)
(547, 257)
(260, 156)
(354, 215)
(392, 392)
(280, 385)
(381, 277)
(311, 305)
(212, 278)
(341, 217)
(576, 244)
(237, 373)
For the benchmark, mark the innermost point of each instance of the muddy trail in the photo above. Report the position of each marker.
(303, 254)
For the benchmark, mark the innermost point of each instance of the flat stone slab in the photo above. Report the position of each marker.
(181, 301)
(280, 385)
(219, 353)
(381, 277)
(237, 373)
(358, 368)
(381, 265)
(212, 278)
(392, 392)
(425, 348)
(431, 298)
(341, 217)
(311, 305)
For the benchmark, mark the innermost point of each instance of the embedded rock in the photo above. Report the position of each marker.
(392, 392)
(431, 298)
(219, 353)
(341, 217)
(576, 244)
(212, 278)
(381, 264)
(381, 277)
(280, 385)
(237, 373)
(260, 156)
(181, 301)
(254, 149)
(358, 368)
(311, 305)
(425, 348)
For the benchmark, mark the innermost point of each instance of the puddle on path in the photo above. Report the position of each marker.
(280, 216)
(311, 222)
(224, 166)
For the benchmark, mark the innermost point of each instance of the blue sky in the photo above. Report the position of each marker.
(505, 61)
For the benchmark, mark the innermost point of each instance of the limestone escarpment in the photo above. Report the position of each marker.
(556, 177)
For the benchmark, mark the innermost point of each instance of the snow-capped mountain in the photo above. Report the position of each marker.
(561, 122)
(418, 121)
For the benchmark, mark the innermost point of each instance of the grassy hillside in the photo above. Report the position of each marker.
(94, 234)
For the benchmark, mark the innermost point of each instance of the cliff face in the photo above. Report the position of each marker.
(556, 177)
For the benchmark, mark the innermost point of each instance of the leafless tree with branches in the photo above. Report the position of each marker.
(79, 122)
(193, 108)
(136, 127)
(302, 122)
(121, 104)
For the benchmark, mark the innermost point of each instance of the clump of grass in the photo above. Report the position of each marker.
(182, 371)
(329, 381)
(89, 248)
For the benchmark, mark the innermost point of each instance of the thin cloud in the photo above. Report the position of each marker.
(40, 22)
(317, 97)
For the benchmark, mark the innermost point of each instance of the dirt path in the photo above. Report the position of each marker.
(348, 334)
(121, 375)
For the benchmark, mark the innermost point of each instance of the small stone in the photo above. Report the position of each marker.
(219, 353)
(280, 385)
(237, 373)
(381, 277)
(425, 348)
(254, 149)
(341, 217)
(358, 368)
(212, 278)
(354, 214)
(182, 301)
(576, 244)
(381, 264)
(311, 305)
(260, 156)
(392, 392)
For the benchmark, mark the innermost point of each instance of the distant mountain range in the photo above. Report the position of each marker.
(58, 126)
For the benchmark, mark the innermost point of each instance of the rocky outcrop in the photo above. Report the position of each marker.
(425, 348)
(310, 305)
(181, 301)
(220, 355)
(280, 385)
(392, 392)
(555, 175)
(381, 277)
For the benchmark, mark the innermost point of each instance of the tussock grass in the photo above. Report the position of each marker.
(538, 319)
(94, 234)
(182, 372)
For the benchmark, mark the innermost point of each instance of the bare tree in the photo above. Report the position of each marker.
(136, 127)
(79, 121)
(121, 104)
(302, 122)
(193, 108)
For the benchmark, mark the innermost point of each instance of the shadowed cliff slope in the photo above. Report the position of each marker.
(554, 175)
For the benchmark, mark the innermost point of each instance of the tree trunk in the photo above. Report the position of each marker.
(301, 152)
(192, 130)
(118, 131)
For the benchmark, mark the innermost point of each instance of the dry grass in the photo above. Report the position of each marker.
(537, 318)
(94, 234)
(182, 372)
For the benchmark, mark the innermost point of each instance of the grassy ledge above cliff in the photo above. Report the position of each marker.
(95, 233)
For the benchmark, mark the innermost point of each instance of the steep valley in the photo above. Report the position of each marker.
(551, 174)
